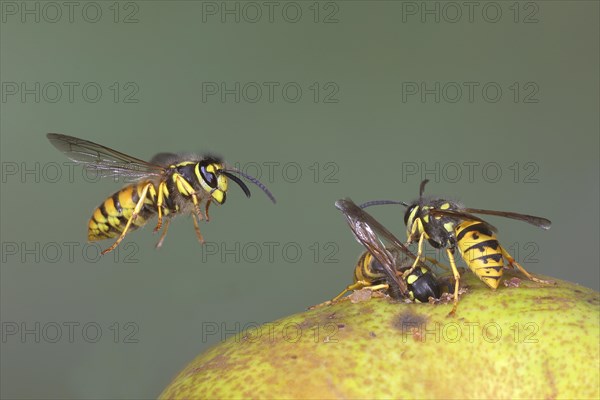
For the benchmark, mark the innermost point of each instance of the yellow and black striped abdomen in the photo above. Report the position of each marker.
(368, 270)
(481, 251)
(110, 218)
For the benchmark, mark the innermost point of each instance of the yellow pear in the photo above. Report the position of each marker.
(525, 340)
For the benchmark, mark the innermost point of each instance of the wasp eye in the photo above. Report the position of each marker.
(407, 214)
(209, 177)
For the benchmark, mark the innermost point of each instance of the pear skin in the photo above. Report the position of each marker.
(524, 340)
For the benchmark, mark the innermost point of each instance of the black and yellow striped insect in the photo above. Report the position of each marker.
(447, 224)
(169, 185)
(386, 260)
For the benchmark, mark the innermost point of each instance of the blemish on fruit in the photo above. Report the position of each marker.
(407, 319)
(358, 296)
(512, 282)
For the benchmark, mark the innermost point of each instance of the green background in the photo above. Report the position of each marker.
(358, 138)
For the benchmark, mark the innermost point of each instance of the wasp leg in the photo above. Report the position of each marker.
(456, 281)
(159, 203)
(377, 287)
(514, 264)
(197, 229)
(355, 286)
(134, 215)
(197, 207)
(159, 222)
(164, 234)
(358, 286)
(417, 259)
(206, 210)
(187, 190)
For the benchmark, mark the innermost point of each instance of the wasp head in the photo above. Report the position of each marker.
(212, 178)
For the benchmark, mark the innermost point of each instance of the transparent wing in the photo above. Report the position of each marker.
(107, 162)
(465, 213)
(461, 215)
(530, 219)
(378, 241)
(163, 158)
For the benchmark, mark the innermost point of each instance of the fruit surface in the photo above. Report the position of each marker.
(524, 340)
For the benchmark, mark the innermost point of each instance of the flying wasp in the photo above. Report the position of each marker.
(169, 185)
(381, 266)
(447, 224)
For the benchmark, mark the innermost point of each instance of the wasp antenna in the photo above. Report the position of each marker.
(239, 182)
(249, 178)
(422, 188)
(381, 202)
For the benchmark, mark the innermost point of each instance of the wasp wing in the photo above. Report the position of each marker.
(164, 158)
(371, 234)
(107, 162)
(530, 219)
(461, 215)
